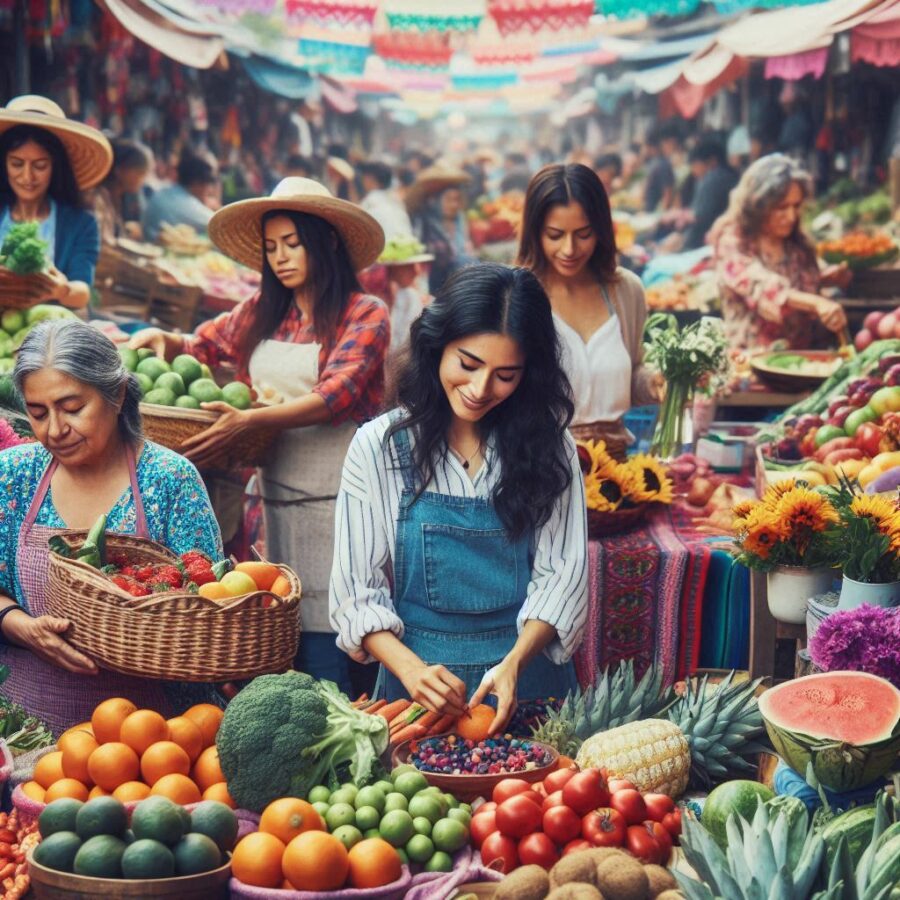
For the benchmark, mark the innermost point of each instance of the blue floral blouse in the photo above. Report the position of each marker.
(176, 505)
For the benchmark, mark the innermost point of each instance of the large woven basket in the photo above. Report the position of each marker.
(23, 291)
(603, 524)
(175, 636)
(171, 427)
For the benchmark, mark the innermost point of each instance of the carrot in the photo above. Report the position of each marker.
(429, 720)
(409, 733)
(375, 706)
(393, 709)
(403, 717)
(358, 702)
(443, 724)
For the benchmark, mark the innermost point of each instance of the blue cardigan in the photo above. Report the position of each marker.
(77, 243)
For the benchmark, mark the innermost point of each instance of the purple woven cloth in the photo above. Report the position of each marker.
(394, 891)
(467, 867)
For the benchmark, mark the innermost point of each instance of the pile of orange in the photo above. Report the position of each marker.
(132, 753)
(293, 850)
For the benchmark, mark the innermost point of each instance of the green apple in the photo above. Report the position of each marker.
(857, 417)
(886, 399)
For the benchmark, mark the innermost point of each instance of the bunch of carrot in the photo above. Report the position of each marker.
(407, 720)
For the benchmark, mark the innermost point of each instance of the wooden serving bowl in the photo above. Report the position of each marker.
(467, 787)
(49, 884)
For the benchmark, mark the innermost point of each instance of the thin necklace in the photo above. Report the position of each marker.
(466, 460)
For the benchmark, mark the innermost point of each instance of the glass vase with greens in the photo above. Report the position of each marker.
(691, 358)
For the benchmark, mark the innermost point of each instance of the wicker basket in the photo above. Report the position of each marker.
(175, 636)
(171, 427)
(603, 524)
(23, 291)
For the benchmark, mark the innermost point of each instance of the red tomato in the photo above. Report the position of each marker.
(482, 824)
(533, 796)
(868, 438)
(555, 780)
(499, 852)
(672, 823)
(561, 824)
(604, 827)
(649, 842)
(539, 789)
(658, 805)
(485, 807)
(576, 846)
(631, 804)
(509, 787)
(518, 816)
(619, 784)
(585, 791)
(554, 799)
(537, 849)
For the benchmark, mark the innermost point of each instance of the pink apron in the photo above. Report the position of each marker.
(59, 697)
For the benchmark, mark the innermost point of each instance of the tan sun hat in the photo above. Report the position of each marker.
(341, 167)
(433, 180)
(236, 229)
(89, 152)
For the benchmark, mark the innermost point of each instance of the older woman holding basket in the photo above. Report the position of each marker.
(90, 459)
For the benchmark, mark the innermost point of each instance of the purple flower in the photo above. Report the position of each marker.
(865, 639)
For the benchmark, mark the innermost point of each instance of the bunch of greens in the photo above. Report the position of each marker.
(21, 731)
(23, 252)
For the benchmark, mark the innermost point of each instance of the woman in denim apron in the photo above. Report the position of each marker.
(460, 539)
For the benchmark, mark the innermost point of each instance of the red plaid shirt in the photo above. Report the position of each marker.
(351, 375)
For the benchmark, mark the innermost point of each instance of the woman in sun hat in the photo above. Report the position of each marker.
(46, 162)
(314, 337)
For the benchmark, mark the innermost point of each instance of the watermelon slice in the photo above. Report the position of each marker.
(853, 707)
(847, 724)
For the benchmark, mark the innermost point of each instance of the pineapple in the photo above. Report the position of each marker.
(615, 698)
(705, 737)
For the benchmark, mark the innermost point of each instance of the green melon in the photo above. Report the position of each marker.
(739, 797)
(847, 724)
(855, 827)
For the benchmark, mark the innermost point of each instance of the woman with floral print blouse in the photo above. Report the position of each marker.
(767, 269)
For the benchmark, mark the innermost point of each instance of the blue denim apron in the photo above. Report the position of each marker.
(459, 583)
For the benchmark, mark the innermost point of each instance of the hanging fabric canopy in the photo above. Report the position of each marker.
(877, 40)
(357, 13)
(626, 9)
(280, 78)
(797, 66)
(434, 15)
(239, 7)
(413, 49)
(513, 16)
(334, 51)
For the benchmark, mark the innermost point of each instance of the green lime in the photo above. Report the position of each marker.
(372, 833)
(419, 848)
(342, 795)
(100, 857)
(367, 817)
(129, 357)
(348, 835)
(426, 805)
(460, 815)
(148, 859)
(350, 788)
(58, 850)
(59, 815)
(402, 769)
(171, 380)
(321, 807)
(6, 366)
(395, 800)
(397, 827)
(146, 384)
(205, 390)
(404, 859)
(449, 835)
(205, 371)
(319, 793)
(440, 862)
(452, 802)
(340, 814)
(102, 815)
(466, 807)
(13, 320)
(410, 783)
(158, 819)
(196, 853)
(237, 394)
(187, 367)
(187, 402)
(20, 336)
(422, 825)
(145, 353)
(216, 821)
(160, 396)
(153, 367)
(370, 796)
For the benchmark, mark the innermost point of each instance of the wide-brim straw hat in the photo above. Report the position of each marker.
(341, 168)
(90, 153)
(236, 229)
(433, 180)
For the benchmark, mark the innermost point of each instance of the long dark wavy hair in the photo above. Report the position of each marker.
(331, 279)
(560, 185)
(528, 428)
(63, 186)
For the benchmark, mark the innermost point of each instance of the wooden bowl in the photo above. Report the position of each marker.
(49, 884)
(790, 380)
(467, 787)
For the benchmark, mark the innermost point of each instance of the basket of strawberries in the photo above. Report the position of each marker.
(137, 608)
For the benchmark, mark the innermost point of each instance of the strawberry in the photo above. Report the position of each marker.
(194, 556)
(199, 572)
(130, 586)
(143, 574)
(167, 575)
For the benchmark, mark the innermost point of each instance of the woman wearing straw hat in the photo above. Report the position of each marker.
(313, 336)
(46, 161)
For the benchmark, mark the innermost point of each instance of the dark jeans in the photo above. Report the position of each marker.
(319, 656)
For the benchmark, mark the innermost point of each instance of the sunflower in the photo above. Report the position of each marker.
(774, 492)
(743, 509)
(802, 511)
(602, 494)
(882, 512)
(651, 482)
(600, 461)
(763, 531)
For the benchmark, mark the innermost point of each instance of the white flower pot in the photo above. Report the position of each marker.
(789, 587)
(855, 593)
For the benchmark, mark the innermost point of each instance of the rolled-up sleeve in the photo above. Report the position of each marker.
(216, 341)
(558, 593)
(360, 601)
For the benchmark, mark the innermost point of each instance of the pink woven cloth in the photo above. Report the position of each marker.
(797, 65)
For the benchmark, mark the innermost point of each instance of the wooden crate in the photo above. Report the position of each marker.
(175, 306)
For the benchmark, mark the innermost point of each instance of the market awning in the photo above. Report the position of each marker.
(187, 42)
(877, 40)
(280, 78)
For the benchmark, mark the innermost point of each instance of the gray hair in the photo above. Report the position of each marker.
(82, 352)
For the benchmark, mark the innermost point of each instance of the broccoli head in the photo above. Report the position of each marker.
(284, 734)
(23, 252)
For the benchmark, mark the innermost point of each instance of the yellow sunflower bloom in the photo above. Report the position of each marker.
(600, 460)
(802, 510)
(743, 509)
(763, 531)
(652, 483)
(882, 512)
(774, 492)
(602, 494)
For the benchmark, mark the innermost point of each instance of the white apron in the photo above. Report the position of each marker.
(300, 484)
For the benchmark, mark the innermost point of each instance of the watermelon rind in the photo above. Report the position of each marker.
(855, 826)
(885, 868)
